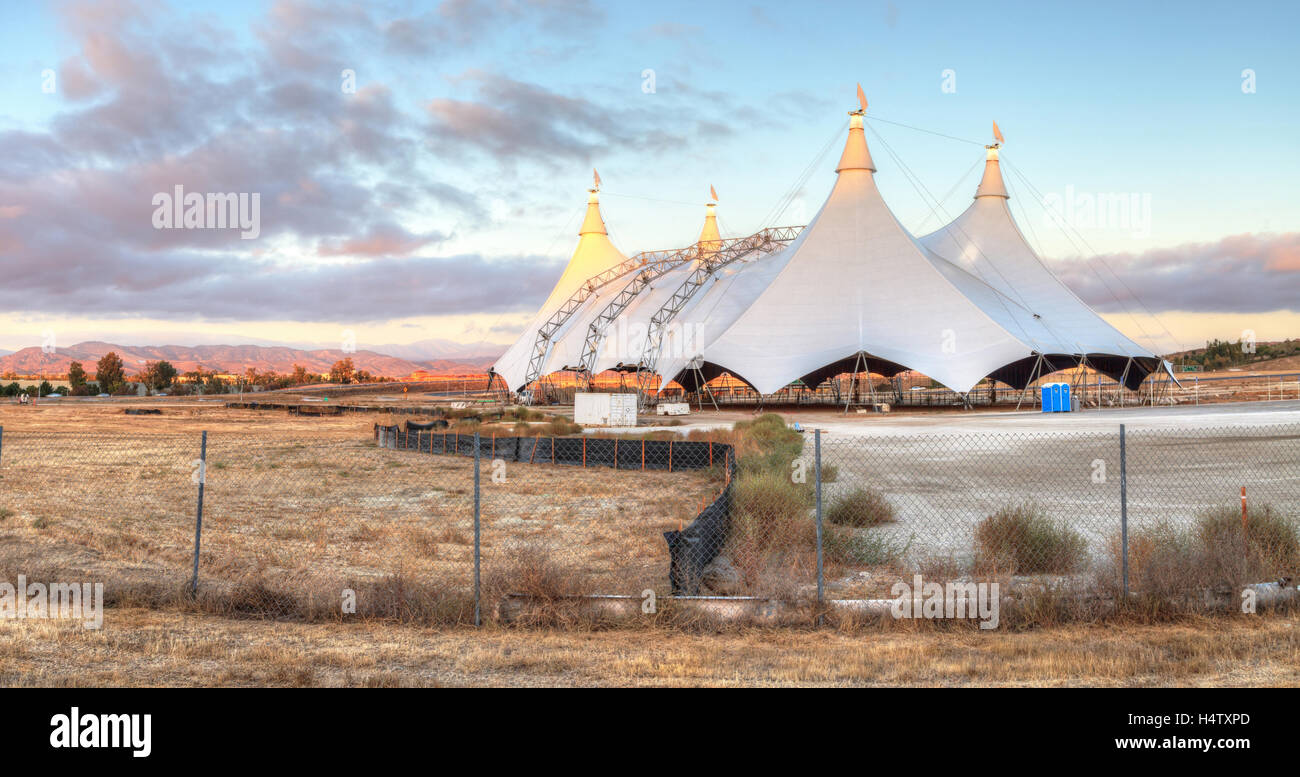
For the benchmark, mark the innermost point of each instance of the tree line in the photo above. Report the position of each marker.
(161, 376)
(1221, 354)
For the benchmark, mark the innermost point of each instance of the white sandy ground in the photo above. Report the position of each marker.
(950, 421)
(946, 471)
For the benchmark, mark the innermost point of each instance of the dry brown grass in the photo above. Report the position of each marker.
(291, 519)
(147, 647)
(1213, 558)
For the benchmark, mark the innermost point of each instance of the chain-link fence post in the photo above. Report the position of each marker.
(1123, 506)
(198, 518)
(817, 473)
(478, 554)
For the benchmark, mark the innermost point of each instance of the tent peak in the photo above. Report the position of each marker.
(709, 236)
(991, 184)
(593, 224)
(856, 156)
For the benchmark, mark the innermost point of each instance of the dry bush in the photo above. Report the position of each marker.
(551, 593)
(861, 507)
(771, 524)
(1173, 565)
(1267, 541)
(766, 444)
(1025, 540)
(560, 426)
(397, 597)
(860, 548)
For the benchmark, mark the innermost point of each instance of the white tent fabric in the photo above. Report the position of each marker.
(985, 242)
(595, 254)
(967, 301)
(625, 338)
(857, 282)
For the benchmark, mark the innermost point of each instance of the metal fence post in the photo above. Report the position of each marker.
(198, 518)
(478, 558)
(1123, 505)
(817, 471)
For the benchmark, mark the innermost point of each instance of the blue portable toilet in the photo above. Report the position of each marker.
(1046, 393)
(1056, 398)
(1066, 405)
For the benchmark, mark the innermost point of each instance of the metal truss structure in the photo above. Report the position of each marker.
(758, 244)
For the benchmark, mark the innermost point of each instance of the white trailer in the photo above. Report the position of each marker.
(604, 409)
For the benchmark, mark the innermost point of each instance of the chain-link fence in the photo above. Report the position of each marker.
(1167, 513)
(441, 525)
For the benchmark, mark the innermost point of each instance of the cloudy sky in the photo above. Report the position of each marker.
(440, 197)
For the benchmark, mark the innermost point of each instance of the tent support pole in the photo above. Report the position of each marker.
(871, 383)
(702, 390)
(709, 391)
(1081, 379)
(853, 381)
(1122, 379)
(1033, 376)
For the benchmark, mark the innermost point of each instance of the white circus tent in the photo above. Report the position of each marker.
(594, 255)
(853, 291)
(987, 256)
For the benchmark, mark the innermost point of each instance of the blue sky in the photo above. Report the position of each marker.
(440, 200)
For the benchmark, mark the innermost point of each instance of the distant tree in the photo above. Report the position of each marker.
(213, 384)
(158, 376)
(364, 376)
(300, 376)
(342, 371)
(45, 389)
(76, 380)
(109, 375)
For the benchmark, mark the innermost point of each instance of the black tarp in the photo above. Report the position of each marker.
(692, 548)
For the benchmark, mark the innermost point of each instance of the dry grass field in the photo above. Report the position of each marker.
(154, 648)
(298, 508)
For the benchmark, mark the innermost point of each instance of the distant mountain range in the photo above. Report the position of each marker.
(421, 356)
(435, 349)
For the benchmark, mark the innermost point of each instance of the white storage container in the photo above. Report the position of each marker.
(604, 409)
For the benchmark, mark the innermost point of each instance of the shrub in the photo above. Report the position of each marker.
(771, 523)
(1269, 544)
(1023, 539)
(767, 444)
(1181, 563)
(861, 507)
(771, 509)
(561, 426)
(861, 548)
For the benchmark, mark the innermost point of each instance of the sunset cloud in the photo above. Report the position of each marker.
(1238, 274)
